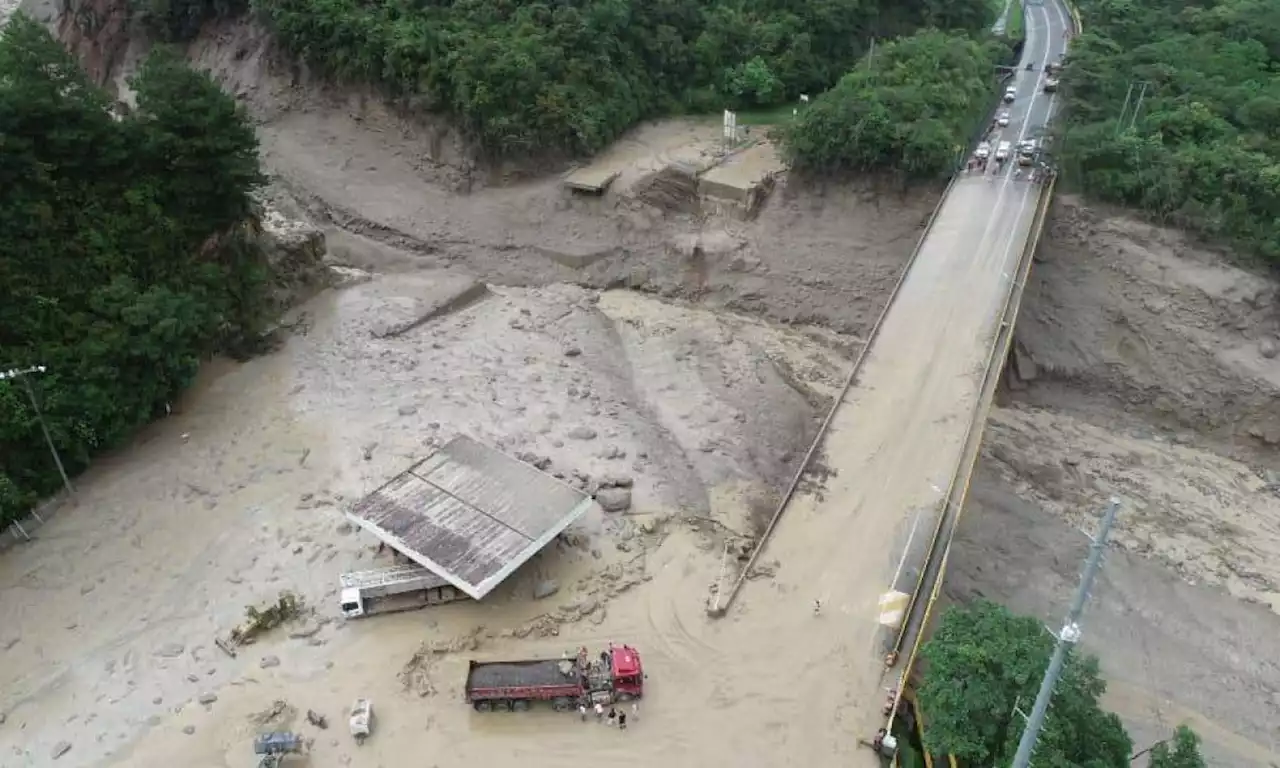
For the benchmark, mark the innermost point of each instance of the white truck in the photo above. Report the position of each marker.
(397, 588)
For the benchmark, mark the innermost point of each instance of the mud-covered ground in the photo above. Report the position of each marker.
(1156, 379)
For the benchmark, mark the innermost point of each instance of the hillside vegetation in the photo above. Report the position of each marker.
(572, 75)
(984, 668)
(119, 254)
(913, 107)
(1203, 150)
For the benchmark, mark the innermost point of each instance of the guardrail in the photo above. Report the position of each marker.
(1075, 16)
(723, 600)
(1000, 347)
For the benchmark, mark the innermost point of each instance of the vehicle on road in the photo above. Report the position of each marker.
(397, 588)
(1002, 151)
(1027, 151)
(1010, 94)
(1050, 84)
(615, 675)
(983, 151)
(1002, 119)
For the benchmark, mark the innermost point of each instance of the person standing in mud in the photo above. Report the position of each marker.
(622, 721)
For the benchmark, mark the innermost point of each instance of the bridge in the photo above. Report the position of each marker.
(903, 438)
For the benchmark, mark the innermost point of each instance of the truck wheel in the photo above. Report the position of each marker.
(520, 705)
(483, 706)
(561, 704)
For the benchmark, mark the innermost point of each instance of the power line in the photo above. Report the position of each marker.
(1068, 636)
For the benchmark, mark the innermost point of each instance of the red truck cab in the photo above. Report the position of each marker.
(628, 672)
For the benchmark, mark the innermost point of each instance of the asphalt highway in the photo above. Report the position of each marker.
(894, 445)
(975, 242)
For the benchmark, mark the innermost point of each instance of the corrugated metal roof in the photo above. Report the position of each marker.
(470, 513)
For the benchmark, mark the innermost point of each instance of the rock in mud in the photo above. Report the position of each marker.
(189, 729)
(572, 351)
(582, 433)
(171, 650)
(529, 457)
(207, 698)
(613, 452)
(614, 499)
(617, 481)
(268, 662)
(544, 589)
(1268, 348)
(9, 642)
(60, 749)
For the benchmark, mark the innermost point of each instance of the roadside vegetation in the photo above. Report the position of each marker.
(122, 251)
(1015, 27)
(913, 107)
(983, 663)
(1202, 150)
(522, 76)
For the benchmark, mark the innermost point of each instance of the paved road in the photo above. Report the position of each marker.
(894, 445)
(990, 215)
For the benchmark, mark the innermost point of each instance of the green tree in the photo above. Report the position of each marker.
(1184, 752)
(913, 108)
(1202, 151)
(571, 75)
(981, 663)
(121, 256)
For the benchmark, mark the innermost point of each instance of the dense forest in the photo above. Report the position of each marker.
(1175, 109)
(984, 662)
(914, 107)
(122, 256)
(574, 74)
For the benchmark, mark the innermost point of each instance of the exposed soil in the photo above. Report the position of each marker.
(461, 312)
(1156, 382)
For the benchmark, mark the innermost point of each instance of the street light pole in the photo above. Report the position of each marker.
(1067, 637)
(23, 373)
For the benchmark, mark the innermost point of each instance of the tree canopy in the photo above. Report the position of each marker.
(1202, 148)
(1183, 752)
(119, 256)
(913, 107)
(982, 662)
(574, 74)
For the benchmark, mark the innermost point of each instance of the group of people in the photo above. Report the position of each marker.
(612, 717)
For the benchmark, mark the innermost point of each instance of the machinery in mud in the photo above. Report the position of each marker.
(568, 682)
(273, 748)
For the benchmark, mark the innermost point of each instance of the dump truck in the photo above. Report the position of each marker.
(396, 588)
(569, 682)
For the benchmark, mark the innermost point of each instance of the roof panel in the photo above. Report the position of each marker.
(470, 513)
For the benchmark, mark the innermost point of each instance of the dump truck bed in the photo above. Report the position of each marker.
(535, 673)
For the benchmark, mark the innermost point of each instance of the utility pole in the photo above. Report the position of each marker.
(1124, 110)
(1137, 108)
(1069, 635)
(24, 374)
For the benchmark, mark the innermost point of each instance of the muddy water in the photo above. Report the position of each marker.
(108, 618)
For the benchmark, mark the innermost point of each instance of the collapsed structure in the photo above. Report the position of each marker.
(470, 514)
